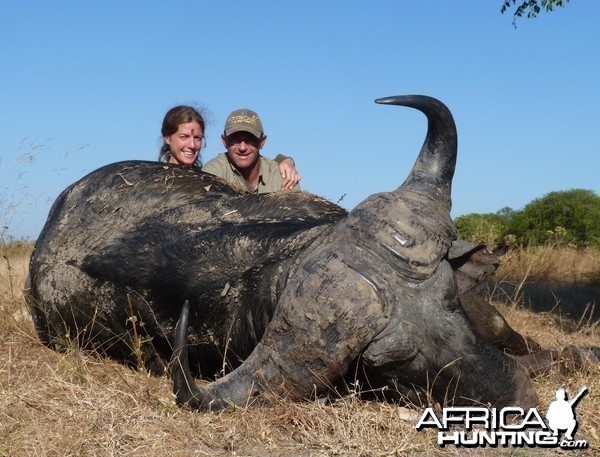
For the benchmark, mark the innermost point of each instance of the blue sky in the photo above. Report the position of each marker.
(86, 83)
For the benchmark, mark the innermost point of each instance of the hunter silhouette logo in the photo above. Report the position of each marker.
(473, 426)
(561, 413)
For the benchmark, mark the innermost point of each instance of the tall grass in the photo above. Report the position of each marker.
(552, 263)
(15, 189)
(558, 279)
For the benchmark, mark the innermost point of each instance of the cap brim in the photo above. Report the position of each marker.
(244, 128)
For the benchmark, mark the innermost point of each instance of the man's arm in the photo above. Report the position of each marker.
(288, 171)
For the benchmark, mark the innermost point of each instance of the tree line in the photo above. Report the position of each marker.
(569, 218)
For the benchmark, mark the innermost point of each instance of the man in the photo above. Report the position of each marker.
(242, 164)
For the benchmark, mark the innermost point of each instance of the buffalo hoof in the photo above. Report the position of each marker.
(578, 358)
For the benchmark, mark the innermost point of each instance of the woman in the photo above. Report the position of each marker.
(183, 136)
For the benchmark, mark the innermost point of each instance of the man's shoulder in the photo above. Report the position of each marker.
(218, 159)
(216, 163)
(269, 165)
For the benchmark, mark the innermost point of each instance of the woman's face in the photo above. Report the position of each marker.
(185, 143)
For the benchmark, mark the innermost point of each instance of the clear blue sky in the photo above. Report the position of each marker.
(87, 83)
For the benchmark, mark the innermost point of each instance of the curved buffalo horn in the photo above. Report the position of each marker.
(184, 386)
(434, 168)
(220, 394)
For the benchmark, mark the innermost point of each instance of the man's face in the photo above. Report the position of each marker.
(243, 149)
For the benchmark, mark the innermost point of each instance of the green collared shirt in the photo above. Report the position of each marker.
(269, 180)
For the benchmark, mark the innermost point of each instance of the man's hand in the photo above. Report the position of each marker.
(290, 175)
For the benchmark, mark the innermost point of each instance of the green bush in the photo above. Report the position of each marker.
(567, 218)
(489, 228)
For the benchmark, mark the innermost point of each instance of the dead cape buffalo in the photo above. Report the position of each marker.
(286, 291)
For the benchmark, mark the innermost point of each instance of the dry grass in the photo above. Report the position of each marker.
(561, 280)
(552, 264)
(76, 404)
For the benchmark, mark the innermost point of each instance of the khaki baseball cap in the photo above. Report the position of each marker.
(244, 120)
